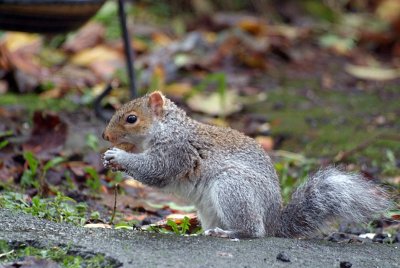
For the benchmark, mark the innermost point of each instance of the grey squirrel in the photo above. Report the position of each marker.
(227, 175)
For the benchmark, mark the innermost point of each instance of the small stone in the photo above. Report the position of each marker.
(379, 238)
(339, 237)
(282, 256)
(345, 264)
(397, 238)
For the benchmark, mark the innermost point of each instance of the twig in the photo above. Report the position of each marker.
(115, 203)
(6, 253)
(344, 155)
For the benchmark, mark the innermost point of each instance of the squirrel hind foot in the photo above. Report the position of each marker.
(218, 232)
(233, 235)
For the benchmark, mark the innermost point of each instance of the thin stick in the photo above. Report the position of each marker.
(115, 203)
(344, 155)
(6, 253)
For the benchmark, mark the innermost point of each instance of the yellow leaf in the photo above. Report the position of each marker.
(161, 39)
(388, 10)
(178, 89)
(372, 73)
(98, 53)
(16, 40)
(213, 104)
(252, 26)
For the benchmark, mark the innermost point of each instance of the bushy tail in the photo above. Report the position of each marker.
(331, 194)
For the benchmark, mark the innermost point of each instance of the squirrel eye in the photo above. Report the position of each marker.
(131, 119)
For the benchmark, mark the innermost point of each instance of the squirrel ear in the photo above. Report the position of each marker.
(156, 102)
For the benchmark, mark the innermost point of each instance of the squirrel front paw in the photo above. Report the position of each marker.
(113, 159)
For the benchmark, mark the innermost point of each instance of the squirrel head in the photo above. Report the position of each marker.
(130, 125)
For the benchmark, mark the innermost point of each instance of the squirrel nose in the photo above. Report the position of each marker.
(105, 136)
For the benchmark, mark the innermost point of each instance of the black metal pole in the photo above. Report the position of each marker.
(97, 103)
(129, 55)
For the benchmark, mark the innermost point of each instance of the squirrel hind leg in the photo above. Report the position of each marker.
(239, 214)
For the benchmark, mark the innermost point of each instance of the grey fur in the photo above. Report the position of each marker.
(232, 181)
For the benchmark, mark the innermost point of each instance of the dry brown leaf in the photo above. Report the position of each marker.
(253, 26)
(48, 135)
(177, 218)
(161, 39)
(52, 94)
(77, 168)
(88, 36)
(3, 86)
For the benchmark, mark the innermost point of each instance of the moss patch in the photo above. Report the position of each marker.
(322, 123)
(63, 255)
(32, 102)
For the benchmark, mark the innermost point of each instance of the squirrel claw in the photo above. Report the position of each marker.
(111, 154)
(110, 159)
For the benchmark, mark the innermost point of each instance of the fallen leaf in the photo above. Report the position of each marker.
(340, 45)
(77, 168)
(97, 225)
(178, 90)
(17, 41)
(161, 39)
(98, 53)
(388, 10)
(9, 168)
(52, 94)
(23, 65)
(3, 87)
(90, 35)
(213, 104)
(178, 218)
(73, 76)
(253, 26)
(372, 73)
(287, 31)
(48, 135)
